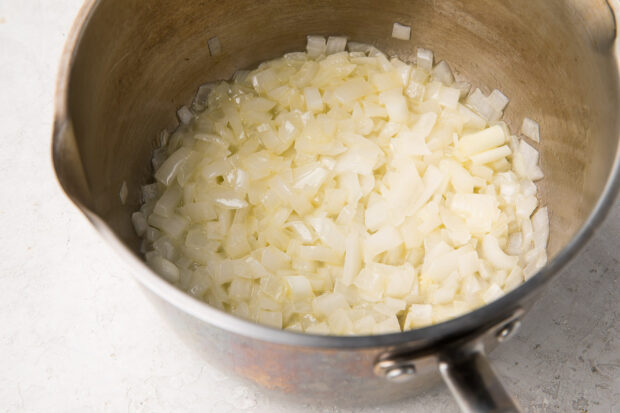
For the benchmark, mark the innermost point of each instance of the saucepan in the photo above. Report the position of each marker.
(129, 64)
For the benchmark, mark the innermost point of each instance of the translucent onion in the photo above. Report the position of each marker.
(334, 192)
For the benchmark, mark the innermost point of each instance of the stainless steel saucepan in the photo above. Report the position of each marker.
(129, 64)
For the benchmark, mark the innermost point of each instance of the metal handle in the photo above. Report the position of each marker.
(463, 366)
(474, 384)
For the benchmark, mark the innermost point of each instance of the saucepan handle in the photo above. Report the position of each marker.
(474, 384)
(463, 365)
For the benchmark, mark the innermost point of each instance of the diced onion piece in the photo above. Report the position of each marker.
(400, 31)
(185, 115)
(492, 293)
(480, 103)
(299, 287)
(515, 243)
(335, 44)
(449, 97)
(200, 99)
(425, 59)
(318, 328)
(463, 87)
(376, 214)
(167, 204)
(494, 254)
(339, 322)
(442, 73)
(530, 129)
(443, 295)
(371, 282)
(319, 253)
(491, 155)
(139, 223)
(530, 159)
(123, 193)
(395, 104)
(270, 318)
(468, 263)
(403, 69)
(352, 90)
(383, 240)
(419, 315)
(358, 47)
(389, 325)
(412, 142)
(314, 102)
(484, 140)
(540, 223)
(514, 279)
(167, 172)
(327, 303)
(525, 205)
(162, 266)
(353, 258)
(215, 47)
(329, 233)
(401, 281)
(174, 225)
(498, 100)
(316, 46)
(479, 210)
(302, 231)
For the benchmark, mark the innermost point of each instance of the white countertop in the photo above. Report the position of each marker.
(77, 334)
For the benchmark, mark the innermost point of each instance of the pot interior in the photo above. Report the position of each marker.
(134, 64)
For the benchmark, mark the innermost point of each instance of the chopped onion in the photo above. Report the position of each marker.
(335, 44)
(122, 194)
(200, 99)
(475, 143)
(478, 102)
(400, 31)
(531, 129)
(358, 47)
(540, 223)
(530, 161)
(491, 155)
(424, 59)
(185, 115)
(449, 97)
(167, 204)
(442, 73)
(327, 303)
(162, 266)
(463, 87)
(498, 100)
(215, 47)
(494, 254)
(314, 102)
(139, 223)
(419, 315)
(383, 240)
(334, 192)
(492, 293)
(169, 169)
(316, 46)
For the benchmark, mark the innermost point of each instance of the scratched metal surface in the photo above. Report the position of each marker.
(77, 334)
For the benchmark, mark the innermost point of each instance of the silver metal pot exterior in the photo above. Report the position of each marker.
(130, 64)
(321, 377)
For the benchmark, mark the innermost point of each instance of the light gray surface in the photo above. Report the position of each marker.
(77, 335)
